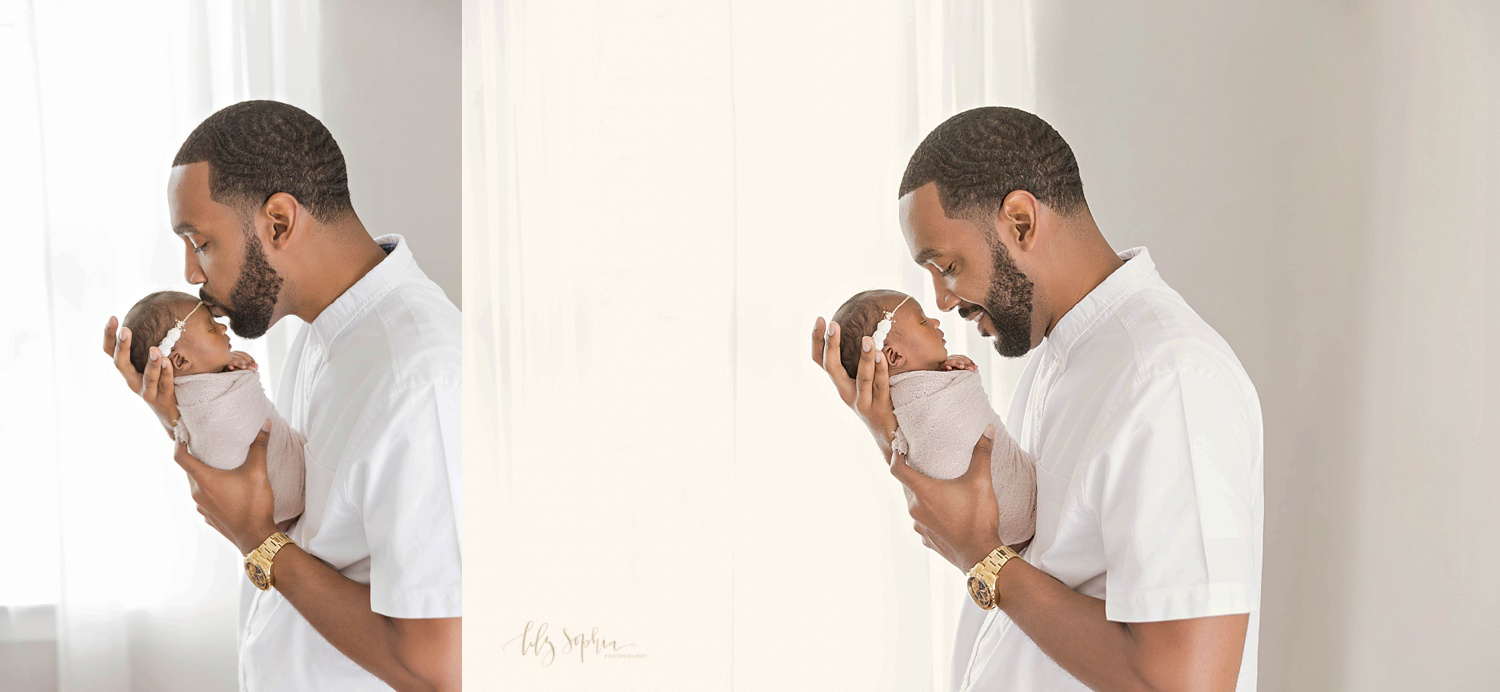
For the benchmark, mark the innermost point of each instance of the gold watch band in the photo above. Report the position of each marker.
(258, 562)
(982, 577)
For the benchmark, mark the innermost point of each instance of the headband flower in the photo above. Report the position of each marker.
(173, 334)
(883, 329)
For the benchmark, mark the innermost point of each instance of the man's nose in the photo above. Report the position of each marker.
(946, 301)
(191, 271)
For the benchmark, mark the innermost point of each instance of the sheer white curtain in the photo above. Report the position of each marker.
(97, 97)
(665, 197)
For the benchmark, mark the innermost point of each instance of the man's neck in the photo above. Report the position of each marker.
(1090, 263)
(346, 254)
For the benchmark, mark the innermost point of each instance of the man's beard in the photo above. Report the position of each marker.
(1007, 303)
(253, 298)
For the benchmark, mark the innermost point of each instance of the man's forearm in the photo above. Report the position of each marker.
(1073, 630)
(339, 609)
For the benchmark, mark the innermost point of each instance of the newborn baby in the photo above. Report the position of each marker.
(940, 405)
(221, 405)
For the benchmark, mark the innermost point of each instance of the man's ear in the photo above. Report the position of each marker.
(285, 217)
(1018, 215)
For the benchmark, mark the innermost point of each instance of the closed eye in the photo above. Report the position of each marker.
(198, 248)
(949, 270)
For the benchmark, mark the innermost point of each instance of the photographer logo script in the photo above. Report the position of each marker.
(540, 641)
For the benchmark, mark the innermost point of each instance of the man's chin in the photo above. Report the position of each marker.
(1011, 348)
(248, 331)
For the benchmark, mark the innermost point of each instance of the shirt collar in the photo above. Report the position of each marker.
(375, 284)
(1135, 274)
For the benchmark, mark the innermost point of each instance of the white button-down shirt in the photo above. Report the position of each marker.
(1147, 436)
(373, 383)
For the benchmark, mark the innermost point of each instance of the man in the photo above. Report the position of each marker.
(366, 593)
(1144, 572)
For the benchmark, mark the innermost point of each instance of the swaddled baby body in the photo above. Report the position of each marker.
(940, 405)
(220, 406)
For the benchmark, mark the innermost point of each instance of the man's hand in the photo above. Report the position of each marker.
(239, 360)
(869, 394)
(959, 518)
(236, 502)
(960, 363)
(155, 385)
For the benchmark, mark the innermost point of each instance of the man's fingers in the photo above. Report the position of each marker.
(834, 365)
(906, 474)
(819, 332)
(880, 393)
(166, 387)
(864, 381)
(191, 465)
(120, 351)
(110, 328)
(152, 376)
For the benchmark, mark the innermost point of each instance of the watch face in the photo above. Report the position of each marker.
(257, 576)
(980, 592)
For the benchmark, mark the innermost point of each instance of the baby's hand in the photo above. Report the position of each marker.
(239, 360)
(960, 363)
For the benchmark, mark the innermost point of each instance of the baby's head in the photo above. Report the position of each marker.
(202, 344)
(914, 343)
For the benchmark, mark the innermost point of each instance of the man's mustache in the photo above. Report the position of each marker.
(209, 300)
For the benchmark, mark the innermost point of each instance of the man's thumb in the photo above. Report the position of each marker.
(262, 439)
(980, 461)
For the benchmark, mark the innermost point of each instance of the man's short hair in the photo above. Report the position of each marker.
(981, 155)
(255, 149)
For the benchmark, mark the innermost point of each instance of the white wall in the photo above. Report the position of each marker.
(390, 78)
(1320, 181)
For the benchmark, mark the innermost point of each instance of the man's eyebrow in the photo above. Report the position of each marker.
(185, 228)
(926, 254)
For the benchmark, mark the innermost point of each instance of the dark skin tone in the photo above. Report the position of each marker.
(1065, 257)
(318, 261)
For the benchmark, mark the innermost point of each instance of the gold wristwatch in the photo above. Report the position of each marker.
(258, 562)
(982, 577)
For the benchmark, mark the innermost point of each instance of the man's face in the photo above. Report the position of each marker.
(971, 270)
(223, 254)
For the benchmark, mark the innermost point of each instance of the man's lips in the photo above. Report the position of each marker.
(976, 316)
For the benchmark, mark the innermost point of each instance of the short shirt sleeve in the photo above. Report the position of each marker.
(1176, 490)
(409, 493)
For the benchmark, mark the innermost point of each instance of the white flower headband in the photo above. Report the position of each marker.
(883, 329)
(173, 334)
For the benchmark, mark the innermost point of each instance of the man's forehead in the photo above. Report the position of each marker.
(191, 203)
(917, 223)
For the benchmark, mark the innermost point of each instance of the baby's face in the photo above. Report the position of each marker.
(202, 347)
(915, 341)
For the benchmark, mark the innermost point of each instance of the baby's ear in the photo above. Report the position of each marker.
(893, 357)
(179, 361)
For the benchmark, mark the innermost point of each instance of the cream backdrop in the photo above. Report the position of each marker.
(660, 199)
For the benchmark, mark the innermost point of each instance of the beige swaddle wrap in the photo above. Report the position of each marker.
(940, 416)
(220, 414)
